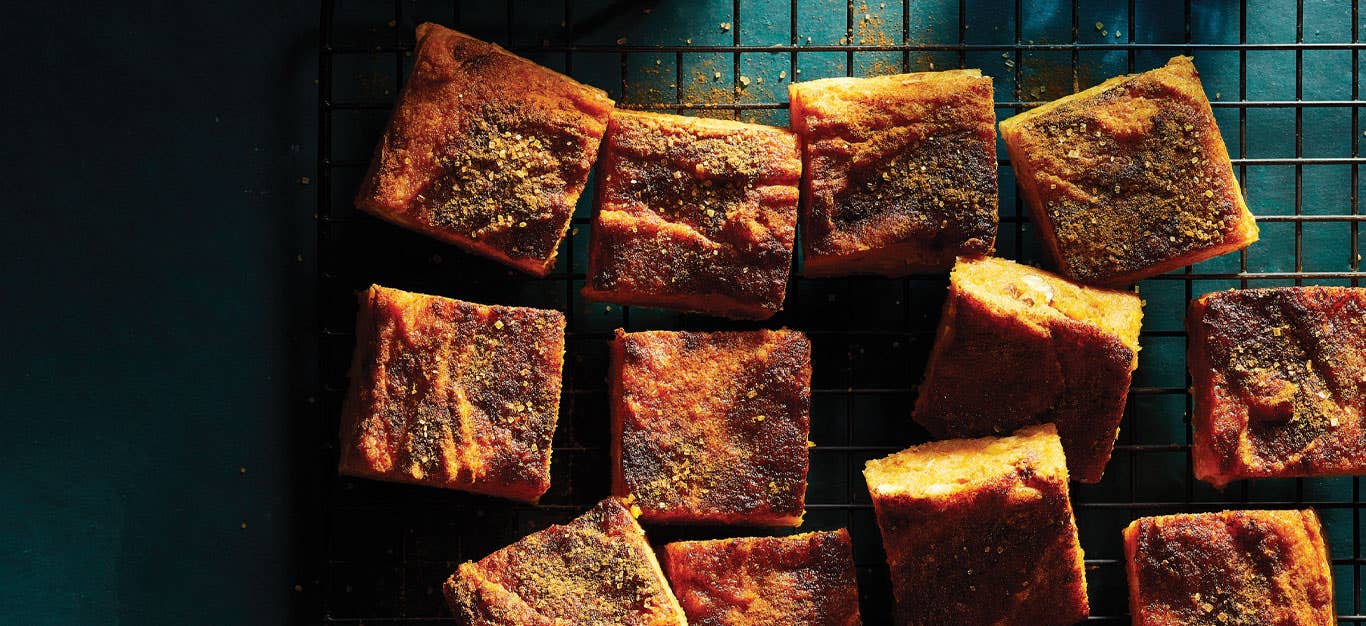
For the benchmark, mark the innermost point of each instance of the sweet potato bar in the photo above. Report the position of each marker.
(486, 150)
(694, 214)
(711, 427)
(800, 580)
(980, 531)
(1020, 346)
(1229, 569)
(899, 171)
(1279, 379)
(1129, 178)
(452, 394)
(597, 569)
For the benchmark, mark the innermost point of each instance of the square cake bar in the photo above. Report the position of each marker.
(1130, 178)
(798, 580)
(597, 569)
(980, 531)
(1019, 346)
(1229, 569)
(1279, 381)
(711, 428)
(694, 214)
(899, 171)
(486, 150)
(453, 394)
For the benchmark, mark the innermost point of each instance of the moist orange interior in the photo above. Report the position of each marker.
(940, 468)
(1033, 294)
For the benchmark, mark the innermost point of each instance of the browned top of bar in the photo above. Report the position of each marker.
(453, 394)
(597, 569)
(1235, 568)
(486, 149)
(1280, 379)
(713, 426)
(1131, 176)
(800, 580)
(980, 531)
(909, 158)
(695, 213)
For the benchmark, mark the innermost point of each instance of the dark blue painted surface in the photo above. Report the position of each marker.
(153, 225)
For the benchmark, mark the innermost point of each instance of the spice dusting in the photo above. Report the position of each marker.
(441, 400)
(1131, 178)
(802, 579)
(901, 171)
(498, 175)
(1282, 373)
(597, 569)
(486, 150)
(695, 214)
(1231, 568)
(713, 425)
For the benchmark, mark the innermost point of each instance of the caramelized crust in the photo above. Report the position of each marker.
(597, 569)
(1235, 568)
(1279, 379)
(712, 427)
(980, 531)
(1130, 178)
(800, 580)
(486, 150)
(1019, 346)
(694, 214)
(899, 171)
(452, 394)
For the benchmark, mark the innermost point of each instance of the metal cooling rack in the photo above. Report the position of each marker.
(1287, 99)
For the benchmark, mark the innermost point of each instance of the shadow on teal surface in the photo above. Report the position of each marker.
(157, 257)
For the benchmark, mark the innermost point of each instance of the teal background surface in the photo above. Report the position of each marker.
(161, 164)
(153, 228)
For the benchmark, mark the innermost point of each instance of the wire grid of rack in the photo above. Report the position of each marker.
(1286, 94)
